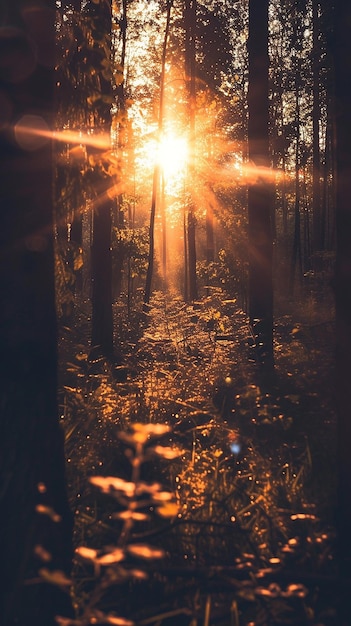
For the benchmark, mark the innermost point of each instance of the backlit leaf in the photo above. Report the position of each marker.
(138, 574)
(170, 509)
(86, 553)
(151, 488)
(111, 557)
(108, 483)
(297, 590)
(168, 452)
(118, 621)
(152, 430)
(162, 496)
(49, 511)
(65, 621)
(303, 516)
(144, 551)
(134, 515)
(55, 577)
(42, 553)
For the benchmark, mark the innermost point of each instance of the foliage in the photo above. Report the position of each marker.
(135, 499)
(131, 245)
(251, 535)
(68, 260)
(247, 537)
(228, 272)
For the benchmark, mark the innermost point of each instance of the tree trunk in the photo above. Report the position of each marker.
(77, 234)
(101, 273)
(186, 269)
(342, 64)
(164, 234)
(31, 442)
(150, 266)
(192, 255)
(259, 193)
(156, 177)
(317, 224)
(190, 63)
(296, 261)
(118, 252)
(210, 239)
(101, 257)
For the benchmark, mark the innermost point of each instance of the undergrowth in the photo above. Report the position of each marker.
(223, 521)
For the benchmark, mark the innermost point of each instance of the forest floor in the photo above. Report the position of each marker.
(247, 461)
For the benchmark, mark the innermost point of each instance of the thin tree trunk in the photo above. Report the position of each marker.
(77, 236)
(306, 256)
(192, 254)
(119, 255)
(101, 269)
(296, 260)
(101, 258)
(284, 202)
(156, 177)
(150, 267)
(259, 192)
(186, 269)
(190, 66)
(210, 239)
(164, 234)
(316, 192)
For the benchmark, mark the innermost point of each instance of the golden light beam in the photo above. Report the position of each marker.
(32, 132)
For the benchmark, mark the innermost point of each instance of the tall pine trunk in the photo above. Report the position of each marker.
(190, 65)
(296, 260)
(101, 258)
(119, 253)
(342, 69)
(157, 168)
(31, 443)
(259, 192)
(316, 193)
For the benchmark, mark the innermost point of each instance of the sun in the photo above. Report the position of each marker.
(172, 155)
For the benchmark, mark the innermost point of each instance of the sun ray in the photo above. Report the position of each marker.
(31, 130)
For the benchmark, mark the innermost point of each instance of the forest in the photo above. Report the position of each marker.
(175, 320)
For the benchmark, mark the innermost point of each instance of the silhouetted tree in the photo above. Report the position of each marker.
(259, 192)
(35, 533)
(342, 69)
(316, 59)
(100, 17)
(156, 177)
(190, 73)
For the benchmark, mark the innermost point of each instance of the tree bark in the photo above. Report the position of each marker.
(342, 68)
(259, 192)
(118, 253)
(296, 260)
(190, 64)
(101, 273)
(210, 237)
(31, 444)
(101, 257)
(157, 168)
(317, 217)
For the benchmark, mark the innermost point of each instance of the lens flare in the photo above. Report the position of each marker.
(32, 131)
(172, 154)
